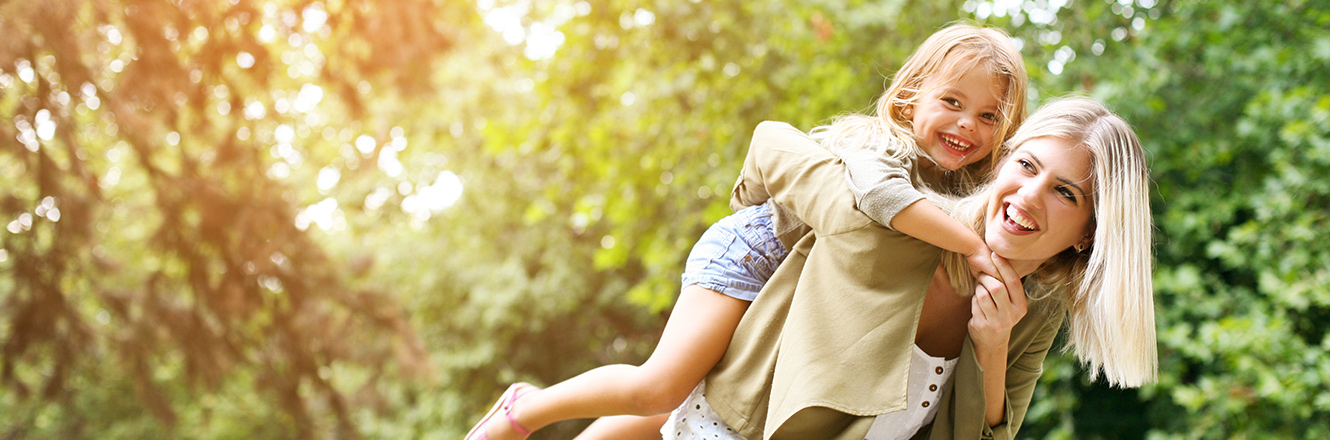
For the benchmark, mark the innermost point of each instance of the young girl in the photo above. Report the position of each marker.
(957, 97)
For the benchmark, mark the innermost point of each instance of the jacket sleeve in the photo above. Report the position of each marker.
(881, 184)
(786, 166)
(962, 413)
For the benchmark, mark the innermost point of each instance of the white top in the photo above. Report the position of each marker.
(927, 376)
(695, 419)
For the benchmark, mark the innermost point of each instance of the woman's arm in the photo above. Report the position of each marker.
(995, 309)
(1022, 374)
(966, 405)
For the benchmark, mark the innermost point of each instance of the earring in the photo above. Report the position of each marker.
(1080, 247)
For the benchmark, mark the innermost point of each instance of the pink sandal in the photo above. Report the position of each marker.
(504, 404)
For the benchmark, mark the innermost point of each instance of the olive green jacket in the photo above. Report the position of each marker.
(826, 345)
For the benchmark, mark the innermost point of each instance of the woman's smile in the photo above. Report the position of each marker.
(1017, 221)
(1041, 200)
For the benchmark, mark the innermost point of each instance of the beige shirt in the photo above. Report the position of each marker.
(826, 345)
(833, 327)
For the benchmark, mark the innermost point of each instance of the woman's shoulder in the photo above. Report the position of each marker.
(778, 130)
(1048, 305)
(769, 125)
(781, 136)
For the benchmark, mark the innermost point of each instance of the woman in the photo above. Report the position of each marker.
(828, 344)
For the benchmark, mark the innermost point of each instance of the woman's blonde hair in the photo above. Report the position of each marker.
(945, 57)
(1107, 289)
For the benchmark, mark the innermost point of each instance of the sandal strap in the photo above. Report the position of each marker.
(508, 413)
(516, 426)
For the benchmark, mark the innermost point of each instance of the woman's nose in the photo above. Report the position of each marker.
(1030, 193)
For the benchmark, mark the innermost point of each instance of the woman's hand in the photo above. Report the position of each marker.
(996, 307)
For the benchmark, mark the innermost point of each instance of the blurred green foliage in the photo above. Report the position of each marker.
(357, 218)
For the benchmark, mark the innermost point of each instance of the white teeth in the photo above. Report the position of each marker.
(955, 144)
(1016, 216)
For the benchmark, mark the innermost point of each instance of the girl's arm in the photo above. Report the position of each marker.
(884, 190)
(882, 184)
(786, 166)
(925, 221)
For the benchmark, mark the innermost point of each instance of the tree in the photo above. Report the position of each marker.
(154, 250)
(1230, 100)
(305, 218)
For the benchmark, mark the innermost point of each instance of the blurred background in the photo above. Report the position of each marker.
(310, 219)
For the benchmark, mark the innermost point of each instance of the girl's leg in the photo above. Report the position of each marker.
(625, 428)
(694, 339)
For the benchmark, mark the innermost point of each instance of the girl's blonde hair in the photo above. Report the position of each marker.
(945, 57)
(1108, 291)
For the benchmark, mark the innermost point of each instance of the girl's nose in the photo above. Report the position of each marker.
(965, 122)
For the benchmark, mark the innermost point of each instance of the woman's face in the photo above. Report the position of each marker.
(1041, 200)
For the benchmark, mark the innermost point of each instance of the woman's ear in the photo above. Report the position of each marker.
(1085, 242)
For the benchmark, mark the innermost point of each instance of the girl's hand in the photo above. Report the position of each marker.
(996, 307)
(981, 262)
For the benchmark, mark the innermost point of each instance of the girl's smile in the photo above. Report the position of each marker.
(954, 122)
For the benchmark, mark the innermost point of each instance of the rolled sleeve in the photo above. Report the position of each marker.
(881, 184)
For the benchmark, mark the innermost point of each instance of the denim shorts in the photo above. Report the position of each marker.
(737, 255)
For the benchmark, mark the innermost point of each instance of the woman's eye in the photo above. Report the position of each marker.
(1025, 164)
(1067, 193)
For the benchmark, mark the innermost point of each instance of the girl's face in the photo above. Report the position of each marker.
(1041, 201)
(954, 122)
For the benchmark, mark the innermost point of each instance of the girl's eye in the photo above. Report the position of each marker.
(989, 117)
(952, 101)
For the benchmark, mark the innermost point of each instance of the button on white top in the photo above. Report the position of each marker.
(927, 375)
